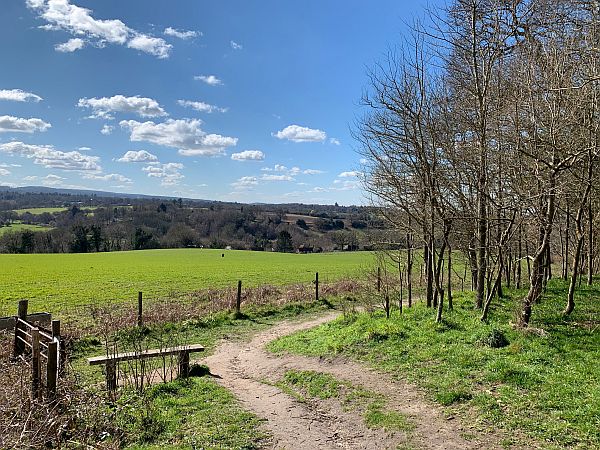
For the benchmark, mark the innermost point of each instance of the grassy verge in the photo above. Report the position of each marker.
(543, 384)
(302, 384)
(191, 413)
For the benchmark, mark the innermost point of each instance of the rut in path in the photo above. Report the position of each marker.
(245, 366)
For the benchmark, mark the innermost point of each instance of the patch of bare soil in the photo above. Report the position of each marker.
(246, 369)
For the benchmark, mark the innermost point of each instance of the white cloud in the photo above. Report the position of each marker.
(345, 185)
(49, 157)
(17, 95)
(30, 178)
(10, 124)
(107, 129)
(114, 177)
(103, 107)
(296, 133)
(277, 168)
(181, 34)
(269, 177)
(138, 156)
(201, 106)
(4, 172)
(235, 45)
(84, 149)
(350, 174)
(169, 173)
(70, 46)
(209, 79)
(62, 15)
(293, 171)
(185, 135)
(245, 183)
(152, 45)
(248, 155)
(52, 180)
(334, 141)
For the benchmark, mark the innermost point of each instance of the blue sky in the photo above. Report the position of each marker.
(230, 100)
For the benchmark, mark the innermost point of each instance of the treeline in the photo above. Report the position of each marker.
(100, 224)
(482, 135)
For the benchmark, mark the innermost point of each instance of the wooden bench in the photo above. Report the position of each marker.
(183, 351)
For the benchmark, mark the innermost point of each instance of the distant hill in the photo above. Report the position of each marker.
(83, 192)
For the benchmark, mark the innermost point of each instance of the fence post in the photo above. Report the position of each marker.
(140, 319)
(238, 302)
(379, 279)
(62, 355)
(52, 369)
(19, 347)
(35, 363)
(317, 286)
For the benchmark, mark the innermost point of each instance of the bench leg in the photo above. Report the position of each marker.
(111, 376)
(184, 364)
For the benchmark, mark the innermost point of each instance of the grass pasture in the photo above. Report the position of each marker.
(17, 227)
(50, 210)
(55, 282)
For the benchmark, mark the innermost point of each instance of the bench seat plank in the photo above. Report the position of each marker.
(129, 356)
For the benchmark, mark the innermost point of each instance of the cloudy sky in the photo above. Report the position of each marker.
(229, 100)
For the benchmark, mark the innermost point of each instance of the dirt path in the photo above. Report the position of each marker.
(245, 366)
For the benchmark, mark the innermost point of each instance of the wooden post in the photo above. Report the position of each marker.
(184, 362)
(19, 347)
(62, 354)
(56, 329)
(140, 319)
(238, 302)
(52, 369)
(379, 279)
(111, 375)
(317, 286)
(35, 363)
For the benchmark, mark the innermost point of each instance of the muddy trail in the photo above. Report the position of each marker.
(248, 370)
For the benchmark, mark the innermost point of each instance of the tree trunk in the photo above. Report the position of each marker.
(449, 281)
(590, 243)
(409, 267)
(537, 268)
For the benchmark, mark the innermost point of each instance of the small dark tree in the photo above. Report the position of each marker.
(27, 241)
(80, 243)
(284, 242)
(302, 224)
(96, 237)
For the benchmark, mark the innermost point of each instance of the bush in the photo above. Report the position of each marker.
(495, 339)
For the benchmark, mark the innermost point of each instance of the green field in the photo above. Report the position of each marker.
(39, 210)
(53, 282)
(23, 227)
(49, 210)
